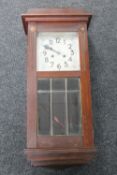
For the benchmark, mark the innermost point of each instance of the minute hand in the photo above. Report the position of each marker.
(50, 48)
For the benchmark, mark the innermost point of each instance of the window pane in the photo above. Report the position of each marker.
(73, 84)
(58, 84)
(58, 103)
(43, 84)
(74, 112)
(44, 113)
(59, 106)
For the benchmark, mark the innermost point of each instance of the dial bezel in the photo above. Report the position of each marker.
(60, 50)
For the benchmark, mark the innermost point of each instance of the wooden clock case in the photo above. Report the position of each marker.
(53, 150)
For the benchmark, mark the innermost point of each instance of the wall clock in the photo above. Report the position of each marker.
(59, 112)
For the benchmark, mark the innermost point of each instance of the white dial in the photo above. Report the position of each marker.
(58, 51)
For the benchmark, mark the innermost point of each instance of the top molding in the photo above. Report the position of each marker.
(55, 15)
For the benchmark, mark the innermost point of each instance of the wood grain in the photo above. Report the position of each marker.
(31, 89)
(46, 150)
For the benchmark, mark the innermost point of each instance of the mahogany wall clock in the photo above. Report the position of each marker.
(59, 112)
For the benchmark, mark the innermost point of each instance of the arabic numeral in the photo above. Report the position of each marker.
(44, 53)
(72, 52)
(46, 59)
(51, 41)
(52, 63)
(64, 41)
(57, 40)
(69, 46)
(65, 64)
(59, 66)
(70, 59)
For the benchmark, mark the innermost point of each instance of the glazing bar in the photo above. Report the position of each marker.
(51, 108)
(66, 109)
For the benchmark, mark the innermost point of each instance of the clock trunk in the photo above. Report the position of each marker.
(59, 110)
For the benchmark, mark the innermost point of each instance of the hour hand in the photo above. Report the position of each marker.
(47, 47)
(50, 48)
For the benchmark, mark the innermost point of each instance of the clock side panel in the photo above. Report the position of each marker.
(89, 96)
(88, 135)
(31, 87)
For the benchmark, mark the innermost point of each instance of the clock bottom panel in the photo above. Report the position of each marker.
(59, 106)
(61, 157)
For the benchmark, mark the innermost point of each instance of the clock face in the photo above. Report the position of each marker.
(58, 51)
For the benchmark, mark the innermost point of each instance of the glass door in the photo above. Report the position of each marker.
(59, 106)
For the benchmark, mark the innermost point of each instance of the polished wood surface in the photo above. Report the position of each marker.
(44, 157)
(51, 150)
(52, 142)
(55, 15)
(60, 74)
(31, 89)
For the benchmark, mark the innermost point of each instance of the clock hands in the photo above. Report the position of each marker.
(50, 48)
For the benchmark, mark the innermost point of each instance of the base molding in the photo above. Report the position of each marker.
(48, 157)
